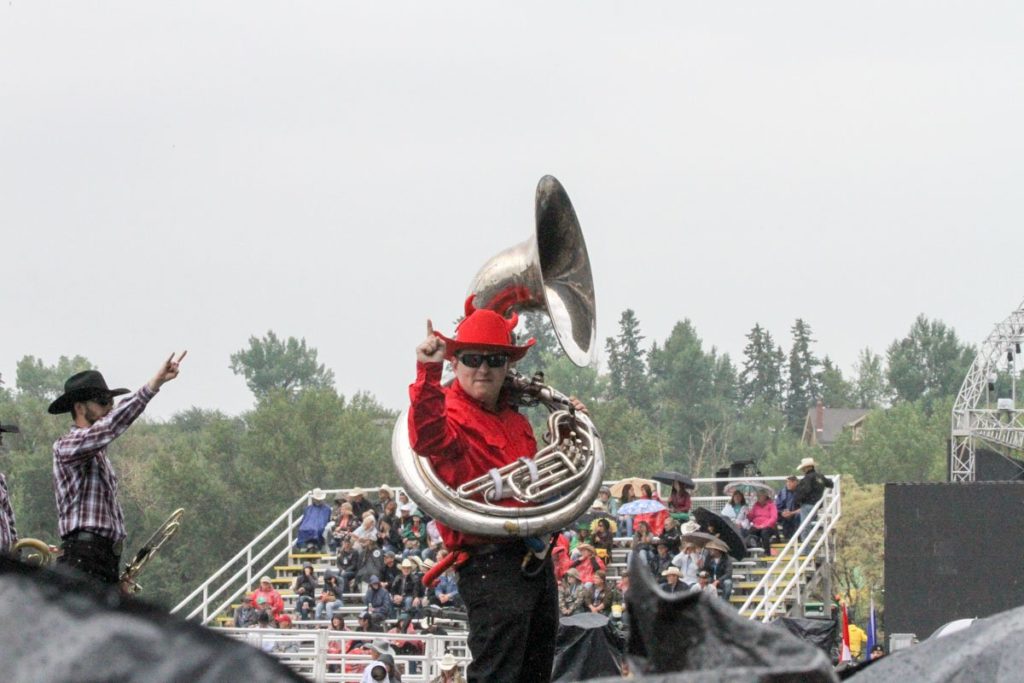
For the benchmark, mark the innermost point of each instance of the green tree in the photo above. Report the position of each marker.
(870, 386)
(929, 363)
(537, 325)
(627, 370)
(859, 567)
(836, 392)
(35, 378)
(906, 442)
(693, 406)
(287, 365)
(761, 377)
(803, 376)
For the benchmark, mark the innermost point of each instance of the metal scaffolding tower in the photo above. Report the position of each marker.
(992, 378)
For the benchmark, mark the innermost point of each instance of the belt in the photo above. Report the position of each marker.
(89, 537)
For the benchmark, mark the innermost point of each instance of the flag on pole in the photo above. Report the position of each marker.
(846, 656)
(872, 629)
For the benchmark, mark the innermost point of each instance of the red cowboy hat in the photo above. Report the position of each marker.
(485, 329)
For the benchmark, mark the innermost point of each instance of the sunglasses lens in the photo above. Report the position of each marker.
(475, 360)
(471, 360)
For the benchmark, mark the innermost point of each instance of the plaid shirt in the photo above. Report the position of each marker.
(83, 479)
(8, 534)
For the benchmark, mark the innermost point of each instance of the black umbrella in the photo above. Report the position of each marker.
(670, 478)
(717, 525)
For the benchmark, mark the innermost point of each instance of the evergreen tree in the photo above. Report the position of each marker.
(627, 371)
(537, 325)
(803, 377)
(835, 391)
(761, 378)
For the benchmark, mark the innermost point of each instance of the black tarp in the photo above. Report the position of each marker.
(589, 646)
(990, 650)
(60, 626)
(821, 633)
(699, 637)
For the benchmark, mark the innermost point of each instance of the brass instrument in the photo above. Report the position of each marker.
(148, 550)
(34, 552)
(550, 271)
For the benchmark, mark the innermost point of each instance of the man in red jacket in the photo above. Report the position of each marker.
(465, 430)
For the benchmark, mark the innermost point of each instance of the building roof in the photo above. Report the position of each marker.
(833, 422)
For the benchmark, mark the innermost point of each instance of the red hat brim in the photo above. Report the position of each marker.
(453, 346)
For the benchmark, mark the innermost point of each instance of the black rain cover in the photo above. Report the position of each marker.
(989, 650)
(821, 633)
(56, 626)
(698, 637)
(589, 646)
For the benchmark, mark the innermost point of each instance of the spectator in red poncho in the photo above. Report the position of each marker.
(588, 563)
(266, 597)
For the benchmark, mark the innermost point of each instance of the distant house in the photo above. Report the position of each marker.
(824, 425)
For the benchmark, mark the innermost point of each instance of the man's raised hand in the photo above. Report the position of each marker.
(431, 349)
(167, 372)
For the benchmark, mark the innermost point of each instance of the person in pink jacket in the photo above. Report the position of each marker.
(763, 516)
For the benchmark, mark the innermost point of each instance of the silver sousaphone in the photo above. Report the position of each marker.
(550, 271)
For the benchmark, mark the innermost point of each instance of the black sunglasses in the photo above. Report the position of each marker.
(475, 360)
(102, 401)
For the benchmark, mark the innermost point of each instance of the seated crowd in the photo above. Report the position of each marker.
(382, 549)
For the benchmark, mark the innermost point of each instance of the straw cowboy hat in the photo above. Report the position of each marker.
(672, 571)
(448, 662)
(805, 463)
(82, 387)
(407, 564)
(586, 546)
(485, 329)
(356, 492)
(318, 495)
(717, 545)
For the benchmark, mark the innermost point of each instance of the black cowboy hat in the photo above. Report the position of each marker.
(82, 387)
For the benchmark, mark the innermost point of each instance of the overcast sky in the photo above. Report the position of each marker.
(185, 175)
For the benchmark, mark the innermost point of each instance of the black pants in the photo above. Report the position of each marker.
(513, 619)
(95, 558)
(765, 537)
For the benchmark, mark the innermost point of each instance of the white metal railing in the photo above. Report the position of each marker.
(306, 651)
(236, 576)
(785, 576)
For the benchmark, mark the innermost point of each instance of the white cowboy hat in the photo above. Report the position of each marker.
(407, 563)
(356, 492)
(318, 495)
(805, 463)
(448, 662)
(672, 571)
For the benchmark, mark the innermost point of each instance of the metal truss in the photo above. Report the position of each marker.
(975, 418)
